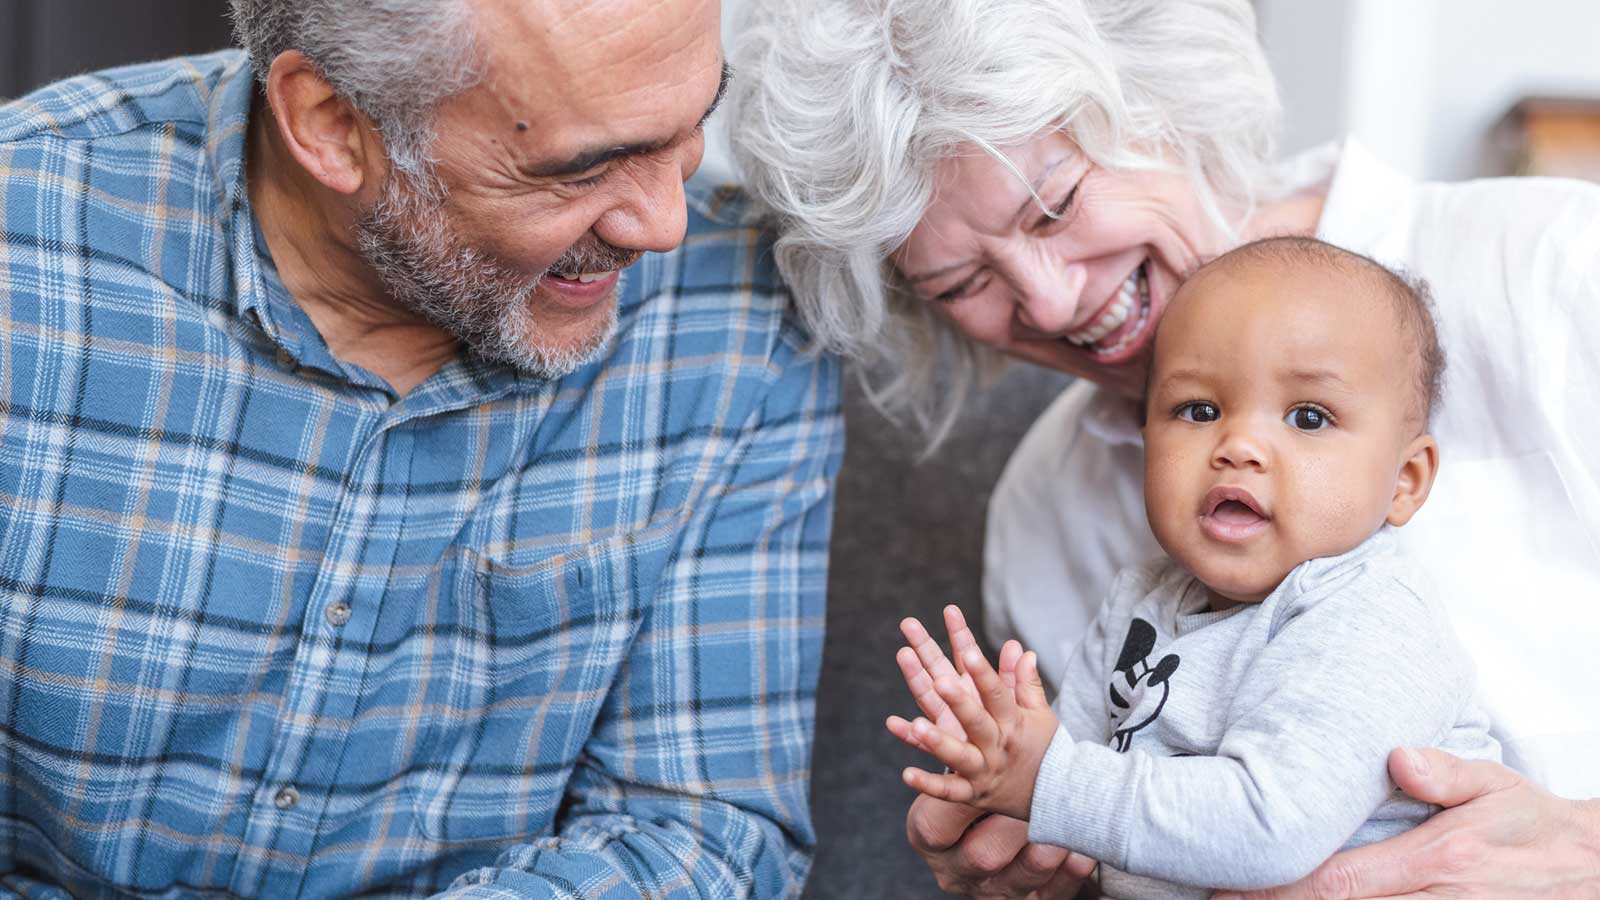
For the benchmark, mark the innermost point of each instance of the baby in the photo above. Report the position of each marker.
(1226, 721)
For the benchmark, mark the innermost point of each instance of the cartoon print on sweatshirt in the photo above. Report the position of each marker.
(1134, 669)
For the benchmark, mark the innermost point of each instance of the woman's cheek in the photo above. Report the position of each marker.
(977, 319)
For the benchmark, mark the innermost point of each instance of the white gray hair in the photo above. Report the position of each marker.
(850, 105)
(395, 60)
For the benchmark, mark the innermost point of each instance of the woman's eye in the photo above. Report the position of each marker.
(1059, 212)
(1199, 412)
(964, 289)
(1308, 418)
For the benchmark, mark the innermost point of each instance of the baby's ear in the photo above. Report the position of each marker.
(1417, 470)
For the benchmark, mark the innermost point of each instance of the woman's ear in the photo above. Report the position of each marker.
(332, 140)
(1417, 471)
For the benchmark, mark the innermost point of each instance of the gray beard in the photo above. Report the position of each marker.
(407, 238)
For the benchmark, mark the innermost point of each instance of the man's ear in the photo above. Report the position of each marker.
(332, 140)
(1417, 471)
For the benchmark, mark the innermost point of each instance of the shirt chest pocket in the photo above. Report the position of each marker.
(524, 658)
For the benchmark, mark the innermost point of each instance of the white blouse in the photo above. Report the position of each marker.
(1511, 532)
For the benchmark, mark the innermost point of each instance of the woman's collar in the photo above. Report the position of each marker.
(1369, 207)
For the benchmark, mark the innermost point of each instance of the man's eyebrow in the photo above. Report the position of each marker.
(588, 160)
(722, 91)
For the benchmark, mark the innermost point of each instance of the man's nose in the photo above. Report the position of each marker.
(1047, 297)
(1240, 446)
(654, 215)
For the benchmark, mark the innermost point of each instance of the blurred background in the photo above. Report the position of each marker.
(1443, 89)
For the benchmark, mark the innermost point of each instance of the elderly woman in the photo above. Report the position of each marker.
(959, 181)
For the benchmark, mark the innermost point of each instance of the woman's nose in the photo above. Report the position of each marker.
(1240, 447)
(1047, 298)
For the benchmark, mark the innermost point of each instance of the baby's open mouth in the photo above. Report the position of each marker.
(1232, 514)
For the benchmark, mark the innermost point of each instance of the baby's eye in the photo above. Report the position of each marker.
(1199, 412)
(1308, 418)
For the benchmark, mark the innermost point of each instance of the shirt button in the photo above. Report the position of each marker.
(338, 614)
(286, 798)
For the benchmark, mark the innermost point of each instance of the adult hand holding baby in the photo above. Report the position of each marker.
(1500, 836)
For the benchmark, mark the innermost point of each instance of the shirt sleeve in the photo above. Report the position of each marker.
(694, 783)
(1302, 763)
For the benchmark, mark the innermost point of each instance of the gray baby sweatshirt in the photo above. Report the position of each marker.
(1241, 748)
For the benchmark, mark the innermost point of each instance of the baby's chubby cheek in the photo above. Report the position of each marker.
(1162, 493)
(1328, 521)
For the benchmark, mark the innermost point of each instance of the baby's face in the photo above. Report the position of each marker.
(1279, 420)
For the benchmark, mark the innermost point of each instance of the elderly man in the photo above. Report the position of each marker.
(390, 505)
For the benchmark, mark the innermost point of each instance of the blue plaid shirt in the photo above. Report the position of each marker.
(270, 630)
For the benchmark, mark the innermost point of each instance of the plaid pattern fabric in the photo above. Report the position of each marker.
(268, 630)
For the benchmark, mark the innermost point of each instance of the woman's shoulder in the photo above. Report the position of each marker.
(1479, 241)
(1533, 233)
(1077, 473)
(1085, 425)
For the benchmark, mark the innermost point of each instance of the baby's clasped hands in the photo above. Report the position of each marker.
(991, 729)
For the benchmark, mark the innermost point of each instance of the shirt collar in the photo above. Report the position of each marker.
(227, 130)
(1369, 208)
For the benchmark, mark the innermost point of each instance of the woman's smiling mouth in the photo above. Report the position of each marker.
(1121, 324)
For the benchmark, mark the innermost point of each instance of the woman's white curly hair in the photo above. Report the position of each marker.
(845, 108)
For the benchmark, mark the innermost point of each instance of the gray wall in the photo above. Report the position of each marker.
(44, 40)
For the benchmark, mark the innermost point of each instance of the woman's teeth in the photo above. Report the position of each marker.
(1134, 295)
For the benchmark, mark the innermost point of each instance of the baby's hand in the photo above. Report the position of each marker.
(1008, 725)
(921, 662)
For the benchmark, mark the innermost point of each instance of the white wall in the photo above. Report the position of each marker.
(1491, 52)
(1422, 81)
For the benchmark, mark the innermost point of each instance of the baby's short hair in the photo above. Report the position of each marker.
(1409, 296)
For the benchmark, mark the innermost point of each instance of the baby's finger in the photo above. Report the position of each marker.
(998, 699)
(975, 720)
(952, 788)
(1010, 653)
(961, 636)
(957, 754)
(920, 683)
(927, 649)
(1029, 688)
(902, 729)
